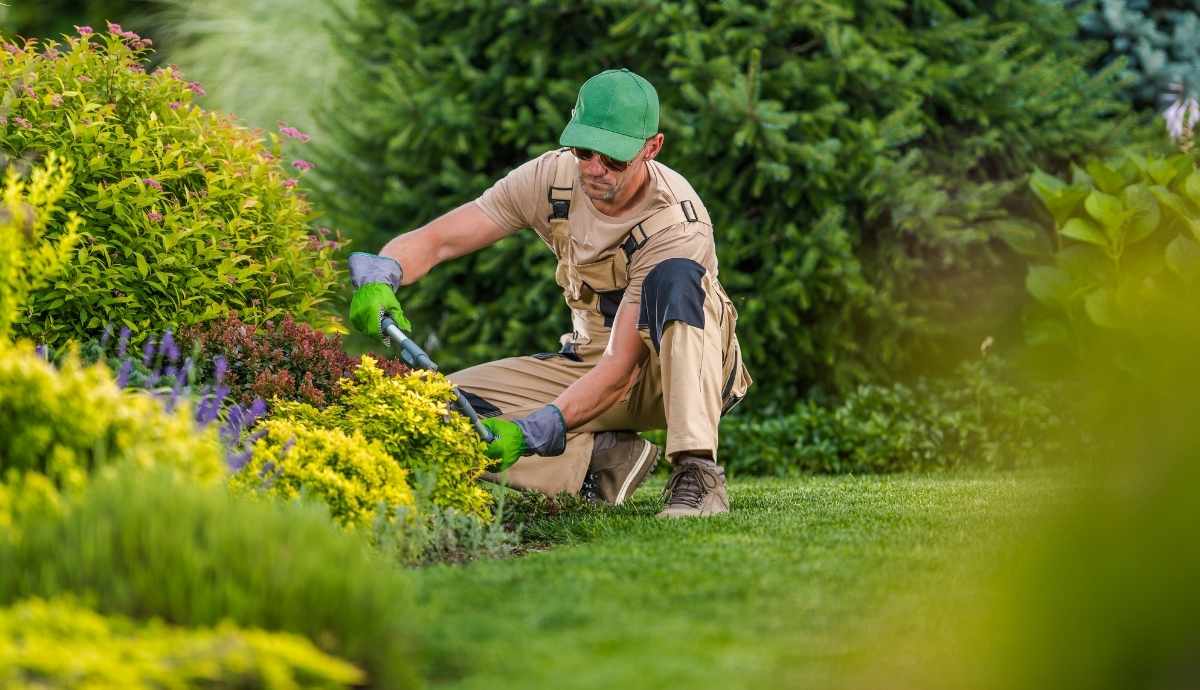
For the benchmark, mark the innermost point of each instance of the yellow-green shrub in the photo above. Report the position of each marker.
(186, 216)
(409, 416)
(351, 474)
(61, 644)
(64, 423)
(26, 262)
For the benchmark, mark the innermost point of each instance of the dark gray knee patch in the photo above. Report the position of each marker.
(672, 292)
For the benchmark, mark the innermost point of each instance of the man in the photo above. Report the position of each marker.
(652, 342)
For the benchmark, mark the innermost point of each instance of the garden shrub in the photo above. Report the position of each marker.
(409, 416)
(186, 216)
(150, 544)
(288, 359)
(974, 419)
(1123, 250)
(1159, 41)
(852, 156)
(27, 263)
(65, 423)
(351, 474)
(61, 644)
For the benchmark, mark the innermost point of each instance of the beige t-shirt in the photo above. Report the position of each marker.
(521, 200)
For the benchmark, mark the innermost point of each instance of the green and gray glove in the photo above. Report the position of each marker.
(543, 432)
(376, 278)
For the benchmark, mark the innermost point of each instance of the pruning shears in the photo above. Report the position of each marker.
(417, 358)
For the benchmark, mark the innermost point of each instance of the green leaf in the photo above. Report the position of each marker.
(1049, 285)
(1085, 231)
(1046, 330)
(142, 267)
(1183, 257)
(1101, 308)
(1192, 186)
(1146, 215)
(1105, 208)
(1059, 199)
(1022, 236)
(1107, 179)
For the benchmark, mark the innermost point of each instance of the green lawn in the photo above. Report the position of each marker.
(785, 592)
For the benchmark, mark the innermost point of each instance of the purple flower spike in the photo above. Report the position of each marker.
(185, 373)
(123, 374)
(148, 352)
(257, 409)
(151, 379)
(220, 366)
(122, 341)
(237, 461)
(42, 351)
(169, 348)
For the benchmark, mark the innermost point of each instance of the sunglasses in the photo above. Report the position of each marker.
(611, 164)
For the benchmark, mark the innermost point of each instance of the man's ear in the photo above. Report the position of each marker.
(653, 146)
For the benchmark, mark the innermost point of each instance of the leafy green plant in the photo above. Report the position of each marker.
(151, 544)
(185, 215)
(66, 422)
(1125, 246)
(976, 418)
(26, 262)
(61, 644)
(852, 156)
(409, 416)
(351, 474)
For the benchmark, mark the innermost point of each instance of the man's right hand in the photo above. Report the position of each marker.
(377, 278)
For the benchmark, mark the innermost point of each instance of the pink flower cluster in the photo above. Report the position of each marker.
(293, 133)
(151, 182)
(136, 42)
(154, 216)
(84, 30)
(302, 165)
(195, 88)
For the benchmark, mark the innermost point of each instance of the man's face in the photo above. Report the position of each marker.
(600, 183)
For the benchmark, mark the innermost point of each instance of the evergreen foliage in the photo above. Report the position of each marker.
(852, 155)
(1160, 42)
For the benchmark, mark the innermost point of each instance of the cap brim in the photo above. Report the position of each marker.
(618, 146)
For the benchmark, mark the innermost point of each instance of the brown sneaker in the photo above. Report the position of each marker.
(696, 489)
(621, 460)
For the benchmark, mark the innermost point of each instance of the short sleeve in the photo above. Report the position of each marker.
(515, 200)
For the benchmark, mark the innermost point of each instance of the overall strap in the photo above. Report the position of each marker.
(683, 212)
(560, 190)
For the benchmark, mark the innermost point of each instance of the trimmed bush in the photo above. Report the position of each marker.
(409, 416)
(65, 423)
(351, 474)
(284, 359)
(149, 544)
(976, 419)
(61, 644)
(185, 215)
(852, 156)
(26, 262)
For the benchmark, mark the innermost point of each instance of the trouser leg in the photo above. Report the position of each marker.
(514, 387)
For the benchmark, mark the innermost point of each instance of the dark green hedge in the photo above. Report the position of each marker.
(853, 156)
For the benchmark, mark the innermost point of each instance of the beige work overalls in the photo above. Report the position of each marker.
(690, 379)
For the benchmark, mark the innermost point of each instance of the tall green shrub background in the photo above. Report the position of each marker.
(854, 157)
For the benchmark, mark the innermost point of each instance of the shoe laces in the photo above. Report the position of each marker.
(689, 486)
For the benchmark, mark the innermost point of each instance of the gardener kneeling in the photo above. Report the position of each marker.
(653, 342)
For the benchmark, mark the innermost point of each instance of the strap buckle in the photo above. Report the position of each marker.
(689, 211)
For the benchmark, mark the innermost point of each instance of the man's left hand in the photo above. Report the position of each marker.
(543, 432)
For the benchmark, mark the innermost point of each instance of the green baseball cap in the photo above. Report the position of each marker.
(616, 112)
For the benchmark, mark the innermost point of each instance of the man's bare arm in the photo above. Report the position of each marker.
(603, 386)
(449, 236)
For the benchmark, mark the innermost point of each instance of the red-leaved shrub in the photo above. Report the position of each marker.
(287, 359)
